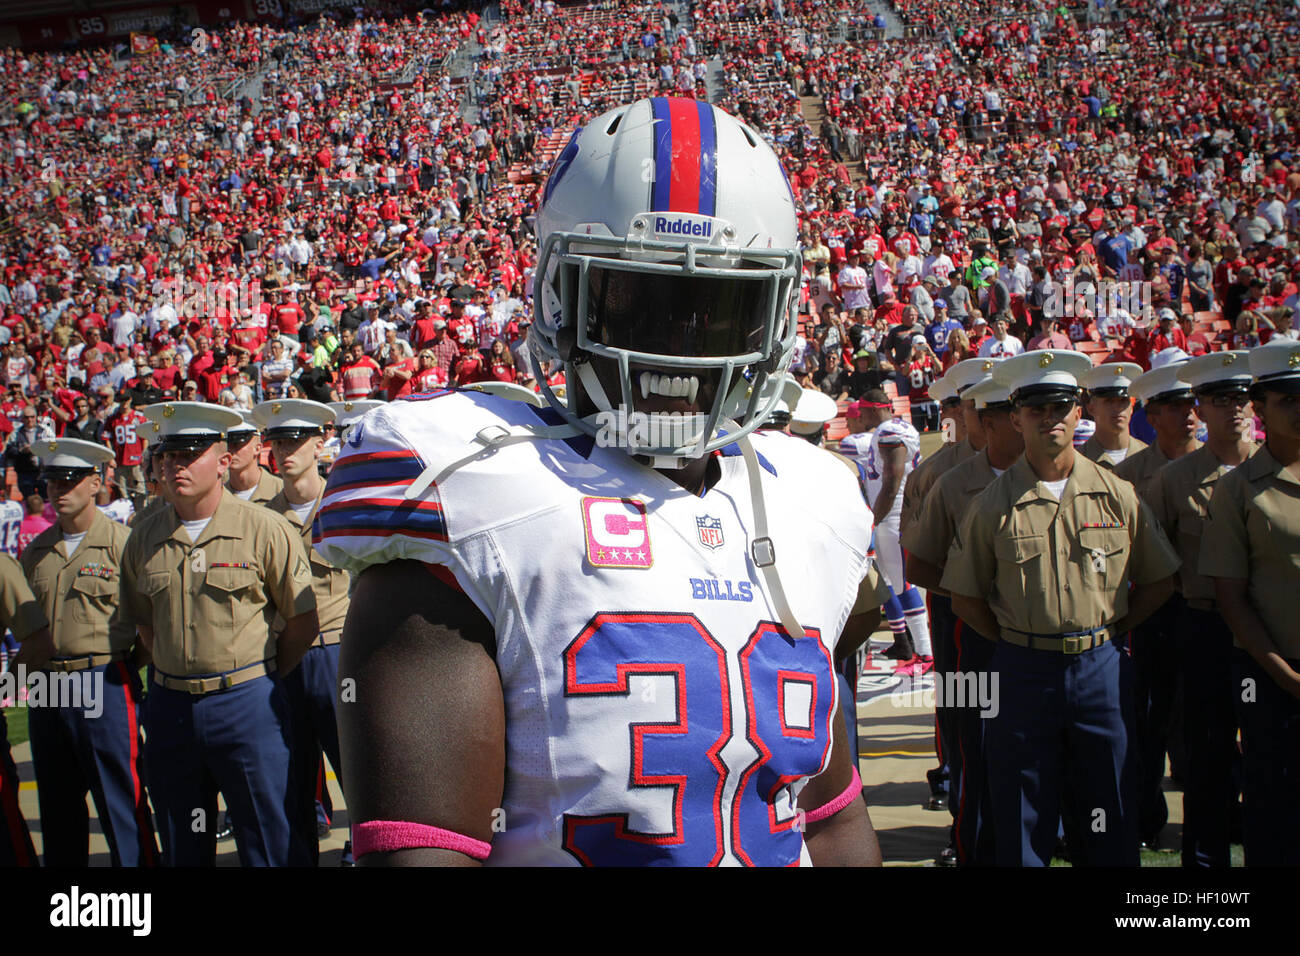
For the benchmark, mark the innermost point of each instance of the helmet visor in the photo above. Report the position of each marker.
(683, 315)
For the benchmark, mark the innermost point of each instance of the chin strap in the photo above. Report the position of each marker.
(591, 384)
(762, 550)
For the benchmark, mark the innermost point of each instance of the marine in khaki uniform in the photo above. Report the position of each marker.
(1170, 409)
(1250, 549)
(203, 580)
(969, 440)
(960, 377)
(295, 430)
(1180, 499)
(927, 543)
(347, 414)
(1107, 401)
(247, 479)
(1042, 563)
(74, 567)
(153, 483)
(21, 613)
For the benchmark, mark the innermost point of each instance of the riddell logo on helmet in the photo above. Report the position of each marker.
(682, 227)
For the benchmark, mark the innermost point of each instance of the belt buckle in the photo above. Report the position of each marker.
(1074, 643)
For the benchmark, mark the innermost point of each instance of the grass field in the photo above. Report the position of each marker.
(16, 719)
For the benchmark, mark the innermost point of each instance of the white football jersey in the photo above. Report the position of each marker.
(119, 510)
(856, 446)
(893, 432)
(11, 525)
(656, 711)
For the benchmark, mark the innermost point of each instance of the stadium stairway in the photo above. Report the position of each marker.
(893, 22)
(811, 106)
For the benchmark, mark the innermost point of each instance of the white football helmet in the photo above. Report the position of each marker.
(667, 273)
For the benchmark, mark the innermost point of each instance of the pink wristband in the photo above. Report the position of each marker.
(839, 803)
(384, 836)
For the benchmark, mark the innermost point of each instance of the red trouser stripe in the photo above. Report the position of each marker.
(144, 823)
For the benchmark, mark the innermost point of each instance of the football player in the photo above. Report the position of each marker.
(581, 634)
(893, 453)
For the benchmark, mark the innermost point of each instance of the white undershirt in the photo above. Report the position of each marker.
(195, 528)
(246, 495)
(71, 542)
(997, 471)
(1055, 488)
(1116, 455)
(303, 510)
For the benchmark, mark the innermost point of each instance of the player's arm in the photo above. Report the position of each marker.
(864, 617)
(927, 537)
(23, 614)
(843, 836)
(977, 613)
(295, 640)
(1233, 596)
(968, 574)
(292, 595)
(1153, 568)
(1226, 557)
(422, 724)
(36, 649)
(923, 574)
(893, 460)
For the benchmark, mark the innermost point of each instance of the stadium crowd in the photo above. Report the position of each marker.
(340, 210)
(360, 229)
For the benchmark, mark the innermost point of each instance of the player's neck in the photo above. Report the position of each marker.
(201, 507)
(1049, 467)
(698, 475)
(1001, 458)
(304, 488)
(1231, 449)
(1286, 451)
(246, 478)
(80, 522)
(1175, 448)
(1113, 440)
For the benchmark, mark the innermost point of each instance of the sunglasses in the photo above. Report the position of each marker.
(1232, 400)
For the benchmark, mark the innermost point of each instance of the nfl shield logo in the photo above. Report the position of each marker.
(710, 532)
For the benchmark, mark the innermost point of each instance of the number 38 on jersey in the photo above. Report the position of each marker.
(717, 743)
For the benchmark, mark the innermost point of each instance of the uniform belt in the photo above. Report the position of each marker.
(206, 685)
(84, 662)
(327, 638)
(1062, 643)
(1202, 604)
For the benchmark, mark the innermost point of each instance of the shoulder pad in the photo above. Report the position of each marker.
(817, 478)
(855, 446)
(441, 440)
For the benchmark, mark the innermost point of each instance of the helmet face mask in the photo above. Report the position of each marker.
(666, 311)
